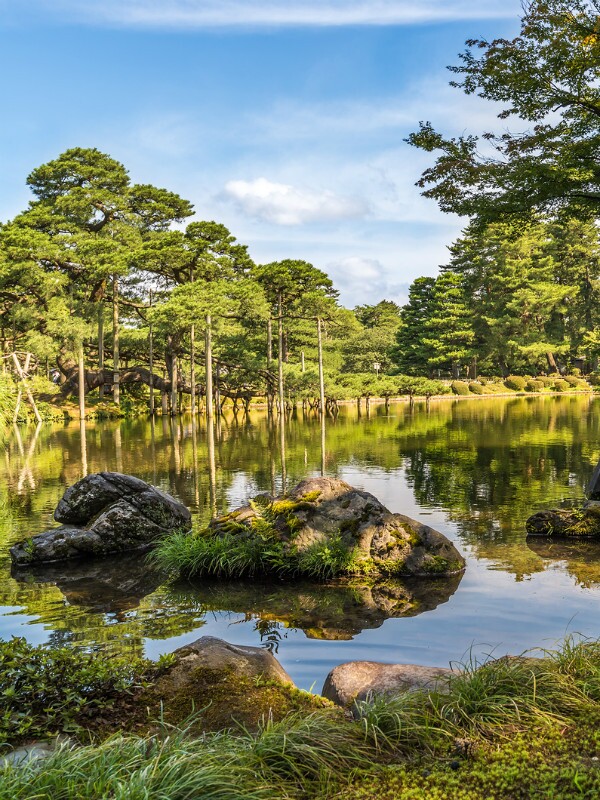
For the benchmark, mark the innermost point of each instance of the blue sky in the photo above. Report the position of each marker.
(284, 120)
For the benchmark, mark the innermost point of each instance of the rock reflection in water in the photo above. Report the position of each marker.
(580, 557)
(106, 586)
(337, 610)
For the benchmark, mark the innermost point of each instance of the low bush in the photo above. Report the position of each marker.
(45, 690)
(515, 382)
(460, 387)
(560, 386)
(594, 379)
(476, 388)
(534, 385)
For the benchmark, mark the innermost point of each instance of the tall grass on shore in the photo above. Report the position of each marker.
(530, 723)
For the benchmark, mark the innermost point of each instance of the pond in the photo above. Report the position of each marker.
(473, 469)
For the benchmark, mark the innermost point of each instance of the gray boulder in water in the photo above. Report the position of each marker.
(104, 513)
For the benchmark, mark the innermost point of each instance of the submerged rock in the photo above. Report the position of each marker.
(104, 513)
(326, 518)
(362, 680)
(584, 522)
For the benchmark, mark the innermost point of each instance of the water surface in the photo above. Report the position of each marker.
(473, 469)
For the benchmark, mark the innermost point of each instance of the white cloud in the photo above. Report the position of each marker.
(276, 13)
(284, 204)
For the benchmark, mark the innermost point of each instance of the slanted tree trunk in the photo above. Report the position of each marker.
(116, 366)
(551, 362)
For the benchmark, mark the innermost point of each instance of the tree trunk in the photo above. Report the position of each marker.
(208, 368)
(321, 376)
(81, 383)
(280, 355)
(269, 364)
(551, 362)
(101, 345)
(174, 382)
(302, 361)
(151, 366)
(269, 343)
(217, 387)
(193, 368)
(116, 372)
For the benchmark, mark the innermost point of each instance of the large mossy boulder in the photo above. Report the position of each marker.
(105, 513)
(213, 685)
(323, 528)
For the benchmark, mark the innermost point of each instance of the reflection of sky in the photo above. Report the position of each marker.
(491, 611)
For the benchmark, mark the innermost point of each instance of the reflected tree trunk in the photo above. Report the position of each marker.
(83, 441)
(195, 461)
(323, 443)
(118, 448)
(282, 451)
(212, 468)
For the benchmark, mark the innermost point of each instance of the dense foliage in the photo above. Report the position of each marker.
(48, 690)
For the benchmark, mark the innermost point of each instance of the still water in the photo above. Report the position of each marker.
(473, 469)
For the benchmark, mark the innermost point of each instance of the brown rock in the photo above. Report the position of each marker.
(360, 680)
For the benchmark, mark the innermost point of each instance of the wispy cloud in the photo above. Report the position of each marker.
(284, 204)
(276, 13)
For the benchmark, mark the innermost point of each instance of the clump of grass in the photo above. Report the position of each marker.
(308, 750)
(134, 768)
(224, 556)
(505, 694)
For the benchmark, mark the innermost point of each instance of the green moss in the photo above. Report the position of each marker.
(350, 526)
(436, 565)
(225, 700)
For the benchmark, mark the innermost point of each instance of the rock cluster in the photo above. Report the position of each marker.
(104, 513)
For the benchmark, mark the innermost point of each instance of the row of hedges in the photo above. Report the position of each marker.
(519, 383)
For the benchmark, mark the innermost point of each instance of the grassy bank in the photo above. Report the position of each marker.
(513, 728)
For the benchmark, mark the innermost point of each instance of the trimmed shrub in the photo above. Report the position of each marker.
(515, 382)
(483, 381)
(575, 382)
(460, 387)
(575, 371)
(476, 388)
(594, 379)
(534, 385)
(560, 386)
